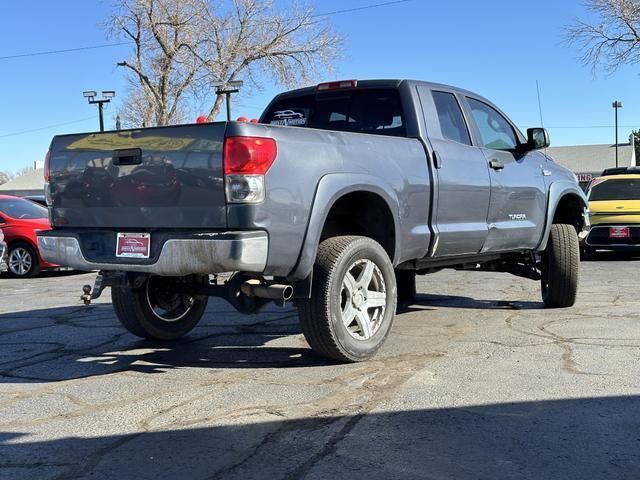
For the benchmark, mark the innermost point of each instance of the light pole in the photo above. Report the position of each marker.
(616, 105)
(107, 95)
(232, 86)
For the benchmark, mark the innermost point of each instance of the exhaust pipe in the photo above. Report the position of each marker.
(255, 288)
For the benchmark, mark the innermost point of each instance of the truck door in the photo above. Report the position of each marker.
(518, 196)
(461, 181)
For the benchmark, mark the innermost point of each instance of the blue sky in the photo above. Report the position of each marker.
(495, 48)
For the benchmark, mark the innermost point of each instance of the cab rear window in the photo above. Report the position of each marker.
(374, 111)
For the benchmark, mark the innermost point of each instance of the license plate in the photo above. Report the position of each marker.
(133, 245)
(619, 232)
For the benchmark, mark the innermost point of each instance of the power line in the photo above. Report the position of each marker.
(107, 45)
(357, 9)
(4, 135)
(66, 50)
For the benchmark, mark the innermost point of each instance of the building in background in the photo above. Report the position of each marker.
(588, 161)
(31, 183)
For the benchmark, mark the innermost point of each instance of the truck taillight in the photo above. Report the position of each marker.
(47, 166)
(340, 84)
(47, 178)
(246, 160)
(250, 155)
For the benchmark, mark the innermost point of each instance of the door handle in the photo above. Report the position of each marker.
(127, 156)
(437, 160)
(496, 164)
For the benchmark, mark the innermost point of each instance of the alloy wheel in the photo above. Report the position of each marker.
(20, 261)
(363, 299)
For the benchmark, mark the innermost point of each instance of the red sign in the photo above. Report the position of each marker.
(584, 177)
(619, 232)
(133, 245)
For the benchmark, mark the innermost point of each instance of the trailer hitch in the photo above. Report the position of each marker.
(91, 293)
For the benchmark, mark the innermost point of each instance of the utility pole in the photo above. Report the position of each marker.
(226, 89)
(616, 105)
(107, 95)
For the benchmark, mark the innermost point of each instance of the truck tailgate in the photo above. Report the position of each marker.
(164, 177)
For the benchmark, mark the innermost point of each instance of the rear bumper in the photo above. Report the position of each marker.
(598, 237)
(200, 253)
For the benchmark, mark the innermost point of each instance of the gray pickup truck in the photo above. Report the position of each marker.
(335, 200)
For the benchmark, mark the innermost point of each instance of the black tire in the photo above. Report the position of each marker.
(134, 308)
(321, 315)
(22, 248)
(560, 263)
(406, 284)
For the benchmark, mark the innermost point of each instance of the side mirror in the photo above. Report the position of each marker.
(537, 138)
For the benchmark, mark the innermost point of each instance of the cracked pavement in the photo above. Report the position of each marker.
(475, 381)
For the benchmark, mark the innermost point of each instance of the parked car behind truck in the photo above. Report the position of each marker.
(614, 205)
(372, 182)
(19, 221)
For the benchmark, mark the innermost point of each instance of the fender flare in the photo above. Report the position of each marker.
(330, 189)
(557, 191)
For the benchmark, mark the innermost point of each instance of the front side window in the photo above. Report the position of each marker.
(618, 189)
(452, 124)
(495, 131)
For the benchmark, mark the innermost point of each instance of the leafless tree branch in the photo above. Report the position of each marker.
(612, 39)
(182, 46)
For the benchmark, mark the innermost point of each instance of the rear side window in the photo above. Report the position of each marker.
(452, 124)
(496, 132)
(374, 111)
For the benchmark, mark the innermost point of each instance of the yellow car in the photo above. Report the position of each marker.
(614, 205)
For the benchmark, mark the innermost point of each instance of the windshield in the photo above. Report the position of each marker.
(374, 111)
(619, 189)
(22, 209)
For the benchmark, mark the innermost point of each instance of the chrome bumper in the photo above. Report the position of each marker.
(231, 252)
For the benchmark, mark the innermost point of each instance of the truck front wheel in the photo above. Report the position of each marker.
(353, 301)
(560, 263)
(155, 311)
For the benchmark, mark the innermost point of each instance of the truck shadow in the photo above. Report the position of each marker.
(566, 439)
(431, 301)
(66, 343)
(77, 342)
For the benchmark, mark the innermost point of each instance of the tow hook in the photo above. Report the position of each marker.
(90, 293)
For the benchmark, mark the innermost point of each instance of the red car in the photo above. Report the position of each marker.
(19, 220)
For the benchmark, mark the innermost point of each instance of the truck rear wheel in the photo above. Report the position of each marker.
(155, 311)
(353, 300)
(560, 263)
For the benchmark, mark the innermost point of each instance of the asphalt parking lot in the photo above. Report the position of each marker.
(476, 381)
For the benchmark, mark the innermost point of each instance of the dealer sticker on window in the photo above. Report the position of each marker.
(133, 245)
(288, 118)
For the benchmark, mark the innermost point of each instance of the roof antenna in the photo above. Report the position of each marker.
(540, 109)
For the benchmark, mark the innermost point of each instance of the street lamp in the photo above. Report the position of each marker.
(616, 105)
(227, 88)
(107, 95)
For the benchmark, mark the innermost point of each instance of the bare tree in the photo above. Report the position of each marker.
(5, 176)
(161, 67)
(182, 46)
(611, 41)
